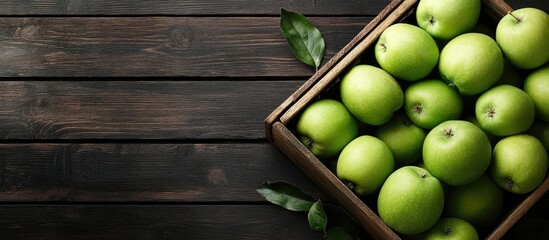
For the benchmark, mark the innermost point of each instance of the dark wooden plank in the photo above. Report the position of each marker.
(159, 46)
(138, 109)
(541, 4)
(142, 172)
(209, 7)
(152, 222)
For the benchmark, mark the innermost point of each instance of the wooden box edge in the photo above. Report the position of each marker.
(284, 139)
(281, 136)
(340, 55)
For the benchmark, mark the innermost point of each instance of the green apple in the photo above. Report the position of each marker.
(406, 51)
(519, 164)
(365, 163)
(403, 138)
(371, 94)
(505, 110)
(448, 228)
(447, 19)
(537, 86)
(411, 200)
(479, 203)
(523, 36)
(456, 152)
(325, 127)
(472, 62)
(431, 102)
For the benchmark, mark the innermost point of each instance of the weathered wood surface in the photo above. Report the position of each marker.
(159, 46)
(144, 119)
(154, 172)
(172, 109)
(206, 7)
(152, 222)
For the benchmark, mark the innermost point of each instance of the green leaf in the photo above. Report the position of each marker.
(304, 38)
(286, 195)
(317, 217)
(337, 233)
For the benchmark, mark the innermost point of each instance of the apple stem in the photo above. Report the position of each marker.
(515, 17)
(383, 46)
(431, 20)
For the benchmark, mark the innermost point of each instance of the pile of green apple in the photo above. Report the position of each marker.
(447, 119)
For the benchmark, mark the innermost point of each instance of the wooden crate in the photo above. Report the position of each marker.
(279, 128)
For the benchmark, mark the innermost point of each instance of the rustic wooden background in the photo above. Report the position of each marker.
(143, 119)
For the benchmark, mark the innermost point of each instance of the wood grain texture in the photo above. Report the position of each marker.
(142, 172)
(175, 148)
(326, 69)
(210, 7)
(196, 7)
(315, 170)
(152, 222)
(328, 181)
(51, 109)
(159, 46)
(357, 49)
